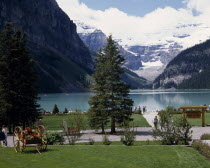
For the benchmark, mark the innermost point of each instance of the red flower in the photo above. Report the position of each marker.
(27, 129)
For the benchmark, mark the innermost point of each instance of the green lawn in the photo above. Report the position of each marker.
(136, 143)
(105, 157)
(197, 122)
(55, 122)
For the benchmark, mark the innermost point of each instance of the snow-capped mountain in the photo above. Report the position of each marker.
(156, 54)
(95, 39)
(157, 37)
(148, 59)
(155, 58)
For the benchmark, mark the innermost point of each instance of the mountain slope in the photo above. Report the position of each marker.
(95, 39)
(134, 80)
(63, 61)
(190, 69)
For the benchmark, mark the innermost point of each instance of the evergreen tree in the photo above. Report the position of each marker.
(110, 98)
(65, 111)
(18, 89)
(55, 109)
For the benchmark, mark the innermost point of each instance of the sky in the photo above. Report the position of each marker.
(144, 22)
(133, 7)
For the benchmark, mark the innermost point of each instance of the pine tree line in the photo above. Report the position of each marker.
(18, 89)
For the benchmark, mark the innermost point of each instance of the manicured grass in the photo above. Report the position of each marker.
(196, 122)
(136, 143)
(55, 122)
(105, 157)
(139, 121)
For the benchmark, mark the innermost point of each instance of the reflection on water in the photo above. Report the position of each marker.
(153, 99)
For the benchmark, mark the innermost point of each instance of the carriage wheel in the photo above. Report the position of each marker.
(18, 145)
(18, 141)
(44, 142)
(43, 135)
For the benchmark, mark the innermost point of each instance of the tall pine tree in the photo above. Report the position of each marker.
(55, 109)
(111, 95)
(18, 89)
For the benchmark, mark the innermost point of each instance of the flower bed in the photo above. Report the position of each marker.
(32, 136)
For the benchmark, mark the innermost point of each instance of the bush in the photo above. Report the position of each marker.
(203, 148)
(182, 131)
(128, 136)
(73, 138)
(78, 119)
(205, 137)
(91, 141)
(55, 138)
(106, 140)
(171, 132)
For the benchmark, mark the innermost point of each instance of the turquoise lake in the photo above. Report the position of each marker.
(153, 99)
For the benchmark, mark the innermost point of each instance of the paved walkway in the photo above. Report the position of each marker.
(143, 134)
(149, 116)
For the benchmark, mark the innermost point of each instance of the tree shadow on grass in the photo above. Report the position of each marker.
(34, 151)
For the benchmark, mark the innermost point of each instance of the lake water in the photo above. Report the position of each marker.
(153, 99)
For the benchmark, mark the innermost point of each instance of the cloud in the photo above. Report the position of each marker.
(198, 5)
(159, 26)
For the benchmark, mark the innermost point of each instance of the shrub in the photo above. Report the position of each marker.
(182, 131)
(106, 140)
(205, 137)
(73, 138)
(128, 136)
(55, 138)
(91, 141)
(203, 148)
(147, 142)
(78, 119)
(172, 132)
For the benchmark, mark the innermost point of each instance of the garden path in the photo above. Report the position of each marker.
(143, 134)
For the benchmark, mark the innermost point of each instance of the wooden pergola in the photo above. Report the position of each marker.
(194, 112)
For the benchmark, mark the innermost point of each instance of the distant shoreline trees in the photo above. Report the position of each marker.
(55, 109)
(111, 95)
(18, 80)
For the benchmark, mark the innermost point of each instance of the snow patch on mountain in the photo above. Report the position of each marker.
(151, 64)
(84, 28)
(151, 70)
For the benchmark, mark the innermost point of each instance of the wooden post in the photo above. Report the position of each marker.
(184, 113)
(203, 117)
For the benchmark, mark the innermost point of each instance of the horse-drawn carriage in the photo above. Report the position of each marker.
(36, 137)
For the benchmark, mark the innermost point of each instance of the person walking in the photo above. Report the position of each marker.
(155, 122)
(5, 131)
(139, 110)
